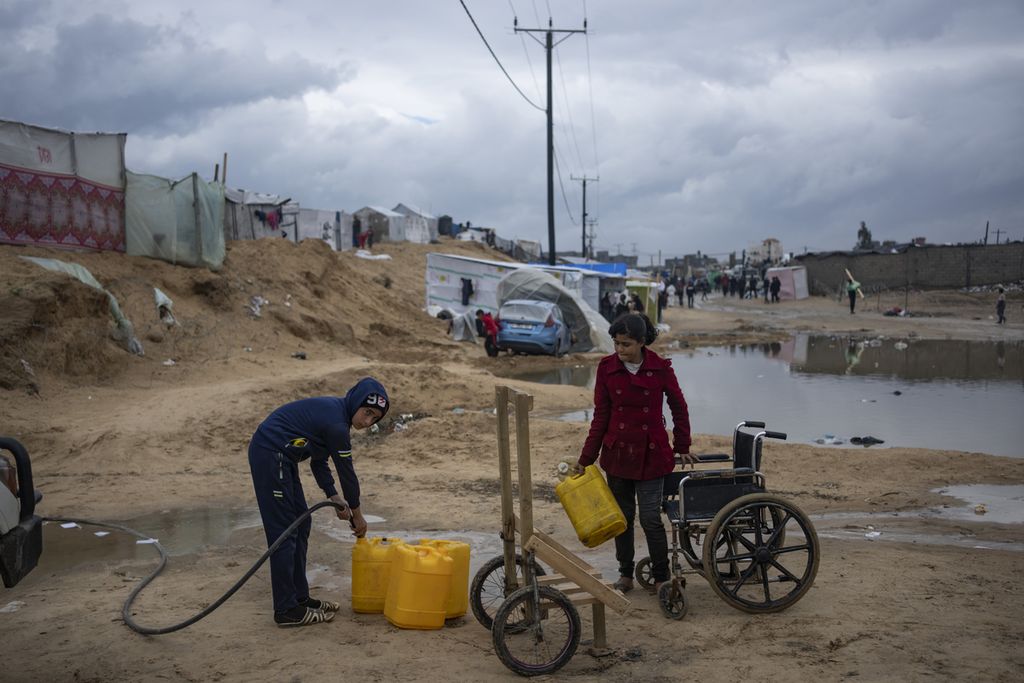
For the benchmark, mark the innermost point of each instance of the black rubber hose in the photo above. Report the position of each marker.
(149, 631)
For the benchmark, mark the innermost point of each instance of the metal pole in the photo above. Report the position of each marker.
(583, 223)
(551, 159)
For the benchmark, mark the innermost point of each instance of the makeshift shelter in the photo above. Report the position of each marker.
(180, 221)
(589, 328)
(333, 227)
(420, 226)
(648, 293)
(61, 189)
(793, 279)
(385, 225)
(252, 215)
(461, 283)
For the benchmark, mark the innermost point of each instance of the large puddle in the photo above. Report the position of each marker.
(957, 395)
(186, 532)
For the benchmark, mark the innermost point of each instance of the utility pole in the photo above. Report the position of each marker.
(549, 44)
(986, 233)
(998, 233)
(584, 221)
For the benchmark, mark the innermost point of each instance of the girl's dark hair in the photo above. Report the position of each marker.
(635, 326)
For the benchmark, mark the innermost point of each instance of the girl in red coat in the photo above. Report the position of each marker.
(628, 432)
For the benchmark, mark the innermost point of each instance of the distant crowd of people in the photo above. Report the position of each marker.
(614, 303)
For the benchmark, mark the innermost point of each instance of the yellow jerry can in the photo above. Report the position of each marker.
(458, 599)
(371, 572)
(421, 580)
(591, 507)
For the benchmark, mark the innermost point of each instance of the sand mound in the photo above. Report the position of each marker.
(271, 296)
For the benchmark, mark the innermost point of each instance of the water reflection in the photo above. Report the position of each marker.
(945, 394)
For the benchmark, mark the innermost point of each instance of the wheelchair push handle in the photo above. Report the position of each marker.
(753, 423)
(776, 435)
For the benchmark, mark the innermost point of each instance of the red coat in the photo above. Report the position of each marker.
(628, 429)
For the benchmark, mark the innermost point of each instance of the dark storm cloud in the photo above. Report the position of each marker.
(119, 74)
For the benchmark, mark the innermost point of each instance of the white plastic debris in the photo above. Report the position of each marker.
(12, 607)
(872, 535)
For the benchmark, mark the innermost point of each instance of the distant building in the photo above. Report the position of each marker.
(767, 250)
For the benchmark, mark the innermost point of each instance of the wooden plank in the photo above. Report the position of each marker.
(559, 547)
(600, 634)
(508, 516)
(564, 565)
(523, 403)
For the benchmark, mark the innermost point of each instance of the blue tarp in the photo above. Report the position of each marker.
(609, 268)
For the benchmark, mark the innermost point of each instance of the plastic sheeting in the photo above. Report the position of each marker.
(589, 328)
(125, 331)
(333, 227)
(61, 189)
(161, 220)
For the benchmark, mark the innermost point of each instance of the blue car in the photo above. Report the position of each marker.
(529, 326)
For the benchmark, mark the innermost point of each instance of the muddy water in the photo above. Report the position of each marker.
(957, 395)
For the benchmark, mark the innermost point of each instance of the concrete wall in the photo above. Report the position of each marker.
(919, 267)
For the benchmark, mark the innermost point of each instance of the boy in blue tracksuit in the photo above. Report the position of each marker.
(313, 429)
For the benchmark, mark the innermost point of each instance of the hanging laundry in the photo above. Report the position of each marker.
(467, 290)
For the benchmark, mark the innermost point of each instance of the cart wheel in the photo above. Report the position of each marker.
(761, 553)
(672, 600)
(487, 591)
(536, 630)
(644, 574)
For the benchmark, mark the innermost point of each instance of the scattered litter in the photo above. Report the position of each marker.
(897, 393)
(101, 534)
(980, 509)
(247, 349)
(400, 427)
(169, 362)
(872, 535)
(900, 346)
(865, 440)
(163, 308)
(27, 368)
(563, 468)
(256, 302)
(12, 607)
(301, 355)
(288, 300)
(829, 439)
(362, 253)
(69, 525)
(374, 428)
(148, 541)
(458, 411)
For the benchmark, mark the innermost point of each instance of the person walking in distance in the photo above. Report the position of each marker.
(852, 290)
(1001, 307)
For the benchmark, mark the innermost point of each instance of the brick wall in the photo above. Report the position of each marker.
(919, 267)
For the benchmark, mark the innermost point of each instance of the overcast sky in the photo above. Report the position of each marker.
(711, 125)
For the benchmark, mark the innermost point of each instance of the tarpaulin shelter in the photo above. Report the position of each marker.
(793, 279)
(61, 189)
(251, 215)
(180, 222)
(386, 225)
(589, 328)
(420, 226)
(333, 227)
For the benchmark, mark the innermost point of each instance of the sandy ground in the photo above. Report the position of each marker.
(124, 438)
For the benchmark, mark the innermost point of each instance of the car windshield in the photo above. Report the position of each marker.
(524, 311)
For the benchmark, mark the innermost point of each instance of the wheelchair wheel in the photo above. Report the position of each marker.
(644, 574)
(761, 553)
(672, 599)
(536, 630)
(487, 591)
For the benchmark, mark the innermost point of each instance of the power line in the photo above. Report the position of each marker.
(568, 109)
(529, 62)
(565, 199)
(480, 33)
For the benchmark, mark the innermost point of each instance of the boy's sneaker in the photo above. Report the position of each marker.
(325, 605)
(302, 616)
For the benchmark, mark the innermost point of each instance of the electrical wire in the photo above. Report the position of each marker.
(558, 171)
(498, 61)
(526, 51)
(593, 118)
(155, 631)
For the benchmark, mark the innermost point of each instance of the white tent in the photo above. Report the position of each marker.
(333, 227)
(387, 226)
(420, 227)
(461, 283)
(793, 279)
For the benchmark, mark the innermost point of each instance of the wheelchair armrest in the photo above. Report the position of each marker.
(721, 474)
(714, 457)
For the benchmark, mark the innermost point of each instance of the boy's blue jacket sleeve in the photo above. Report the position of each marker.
(340, 449)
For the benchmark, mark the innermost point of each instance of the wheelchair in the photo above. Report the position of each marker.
(758, 551)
